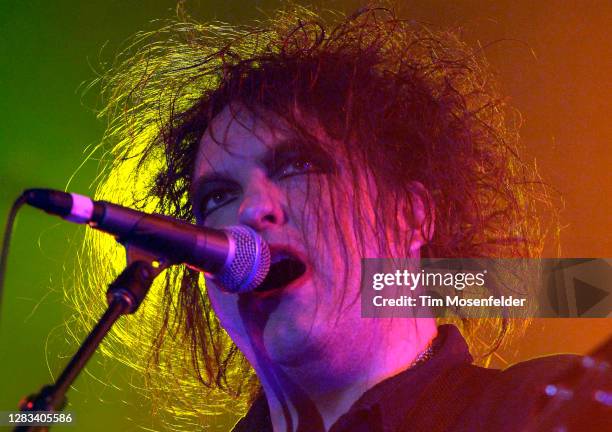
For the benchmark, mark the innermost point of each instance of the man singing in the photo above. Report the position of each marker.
(335, 140)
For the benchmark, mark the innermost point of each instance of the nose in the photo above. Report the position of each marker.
(262, 207)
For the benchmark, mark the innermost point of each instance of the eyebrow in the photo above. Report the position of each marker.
(207, 178)
(278, 153)
(268, 160)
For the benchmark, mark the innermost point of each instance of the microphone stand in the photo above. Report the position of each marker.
(124, 295)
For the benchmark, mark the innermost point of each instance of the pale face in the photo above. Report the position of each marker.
(264, 177)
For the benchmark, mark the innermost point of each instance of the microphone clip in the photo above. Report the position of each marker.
(132, 285)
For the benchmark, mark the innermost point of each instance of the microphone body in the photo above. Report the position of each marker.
(236, 257)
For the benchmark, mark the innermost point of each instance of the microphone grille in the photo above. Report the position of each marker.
(248, 262)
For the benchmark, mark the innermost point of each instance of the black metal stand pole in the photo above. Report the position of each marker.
(124, 295)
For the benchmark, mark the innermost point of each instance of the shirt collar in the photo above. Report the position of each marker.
(389, 401)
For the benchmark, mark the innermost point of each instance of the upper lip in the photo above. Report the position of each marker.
(280, 251)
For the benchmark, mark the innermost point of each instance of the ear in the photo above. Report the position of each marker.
(419, 212)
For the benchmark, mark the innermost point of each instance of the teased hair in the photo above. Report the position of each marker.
(410, 102)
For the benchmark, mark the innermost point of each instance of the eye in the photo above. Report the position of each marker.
(298, 165)
(217, 199)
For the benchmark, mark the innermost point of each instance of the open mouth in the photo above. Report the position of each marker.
(285, 268)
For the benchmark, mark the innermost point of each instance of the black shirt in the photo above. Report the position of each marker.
(444, 393)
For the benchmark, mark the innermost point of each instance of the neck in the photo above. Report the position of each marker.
(311, 397)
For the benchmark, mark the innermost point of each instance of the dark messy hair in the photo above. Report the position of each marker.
(411, 103)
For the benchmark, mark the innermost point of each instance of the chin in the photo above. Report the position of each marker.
(292, 343)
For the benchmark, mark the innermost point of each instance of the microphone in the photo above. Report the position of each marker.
(236, 257)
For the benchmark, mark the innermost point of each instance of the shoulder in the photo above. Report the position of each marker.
(510, 397)
(524, 377)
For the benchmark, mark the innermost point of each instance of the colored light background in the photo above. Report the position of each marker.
(552, 59)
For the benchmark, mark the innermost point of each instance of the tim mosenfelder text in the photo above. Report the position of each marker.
(424, 279)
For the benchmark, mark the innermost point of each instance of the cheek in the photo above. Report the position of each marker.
(312, 209)
(300, 200)
(334, 249)
(225, 306)
(224, 216)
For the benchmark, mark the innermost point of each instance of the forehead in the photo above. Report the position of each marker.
(237, 134)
